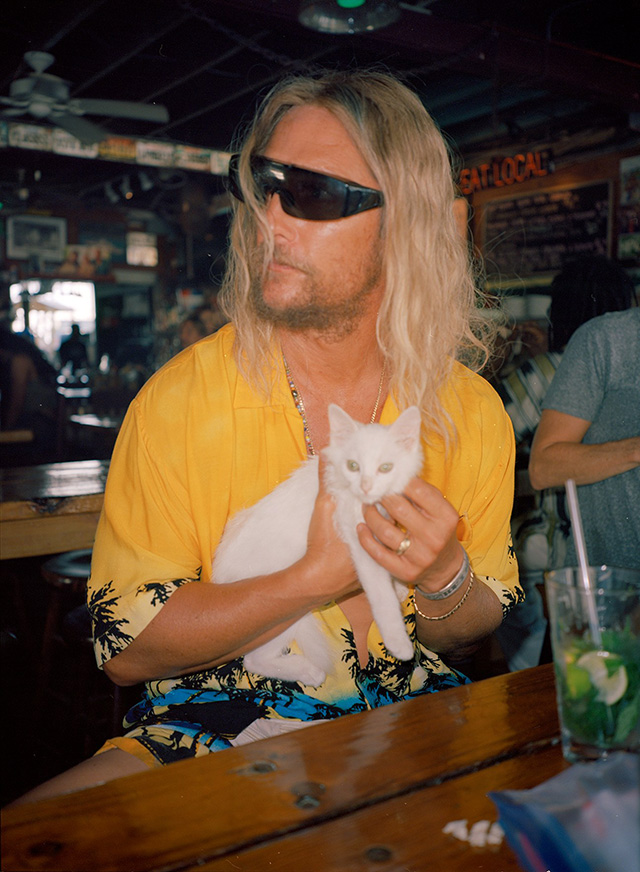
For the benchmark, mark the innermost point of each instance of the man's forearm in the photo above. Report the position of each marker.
(551, 465)
(204, 625)
(477, 617)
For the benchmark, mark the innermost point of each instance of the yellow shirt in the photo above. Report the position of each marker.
(198, 444)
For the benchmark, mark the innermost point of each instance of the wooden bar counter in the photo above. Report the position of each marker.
(371, 792)
(50, 508)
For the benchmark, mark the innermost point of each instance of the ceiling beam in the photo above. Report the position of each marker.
(490, 49)
(487, 51)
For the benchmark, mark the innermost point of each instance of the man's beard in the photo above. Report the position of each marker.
(336, 317)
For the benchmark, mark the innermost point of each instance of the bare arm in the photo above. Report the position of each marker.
(432, 560)
(204, 625)
(558, 454)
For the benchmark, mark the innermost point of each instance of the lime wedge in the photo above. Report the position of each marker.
(607, 673)
(578, 681)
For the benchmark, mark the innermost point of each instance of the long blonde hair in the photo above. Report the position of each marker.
(431, 313)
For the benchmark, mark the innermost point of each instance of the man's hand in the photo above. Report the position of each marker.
(327, 565)
(434, 555)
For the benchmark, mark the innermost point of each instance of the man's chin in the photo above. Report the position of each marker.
(294, 317)
(331, 318)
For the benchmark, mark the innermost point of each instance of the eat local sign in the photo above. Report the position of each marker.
(501, 171)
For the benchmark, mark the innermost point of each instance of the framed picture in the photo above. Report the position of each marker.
(31, 236)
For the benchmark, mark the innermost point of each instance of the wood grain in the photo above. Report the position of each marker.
(200, 810)
(50, 508)
(50, 534)
(406, 832)
(53, 480)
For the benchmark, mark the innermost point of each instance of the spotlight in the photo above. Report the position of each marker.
(110, 194)
(347, 16)
(125, 188)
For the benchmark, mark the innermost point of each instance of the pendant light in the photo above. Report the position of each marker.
(347, 16)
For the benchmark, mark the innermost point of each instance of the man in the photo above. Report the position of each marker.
(590, 431)
(586, 287)
(73, 351)
(348, 282)
(192, 329)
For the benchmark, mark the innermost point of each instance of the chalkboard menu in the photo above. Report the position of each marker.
(537, 233)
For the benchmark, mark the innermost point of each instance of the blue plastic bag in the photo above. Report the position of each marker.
(587, 819)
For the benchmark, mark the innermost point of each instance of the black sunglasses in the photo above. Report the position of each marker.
(303, 193)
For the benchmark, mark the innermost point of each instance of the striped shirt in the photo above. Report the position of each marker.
(523, 391)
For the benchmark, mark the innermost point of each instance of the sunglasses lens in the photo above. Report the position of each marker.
(303, 193)
(315, 197)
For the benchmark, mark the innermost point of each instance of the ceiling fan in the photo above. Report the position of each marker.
(45, 96)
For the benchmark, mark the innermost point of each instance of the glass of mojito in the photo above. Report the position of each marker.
(595, 638)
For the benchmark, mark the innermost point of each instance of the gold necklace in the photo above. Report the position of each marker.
(297, 399)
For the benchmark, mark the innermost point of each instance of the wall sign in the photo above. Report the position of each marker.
(501, 171)
(36, 236)
(115, 148)
(531, 235)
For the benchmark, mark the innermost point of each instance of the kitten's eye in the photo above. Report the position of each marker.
(352, 466)
(385, 467)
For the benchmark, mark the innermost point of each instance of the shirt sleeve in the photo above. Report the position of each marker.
(489, 513)
(477, 478)
(578, 385)
(145, 545)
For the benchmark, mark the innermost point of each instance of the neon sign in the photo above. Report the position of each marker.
(504, 171)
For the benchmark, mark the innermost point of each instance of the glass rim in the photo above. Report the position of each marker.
(622, 579)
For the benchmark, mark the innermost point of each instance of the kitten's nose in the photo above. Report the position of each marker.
(366, 484)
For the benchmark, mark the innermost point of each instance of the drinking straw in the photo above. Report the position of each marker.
(583, 563)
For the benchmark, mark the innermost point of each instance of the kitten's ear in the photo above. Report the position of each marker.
(341, 424)
(406, 427)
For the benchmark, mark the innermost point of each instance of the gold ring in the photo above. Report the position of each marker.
(403, 546)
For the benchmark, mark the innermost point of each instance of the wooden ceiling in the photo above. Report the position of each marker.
(496, 74)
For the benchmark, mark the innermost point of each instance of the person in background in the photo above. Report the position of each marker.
(585, 288)
(192, 328)
(211, 316)
(73, 351)
(354, 292)
(589, 431)
(28, 399)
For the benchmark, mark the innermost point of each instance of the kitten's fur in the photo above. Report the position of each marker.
(272, 535)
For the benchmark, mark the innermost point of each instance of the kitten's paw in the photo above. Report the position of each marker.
(311, 675)
(401, 590)
(400, 648)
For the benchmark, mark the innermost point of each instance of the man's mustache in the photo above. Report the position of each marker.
(282, 258)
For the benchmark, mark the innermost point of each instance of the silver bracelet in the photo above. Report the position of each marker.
(455, 584)
(454, 609)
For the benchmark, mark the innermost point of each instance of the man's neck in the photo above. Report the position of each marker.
(348, 371)
(323, 358)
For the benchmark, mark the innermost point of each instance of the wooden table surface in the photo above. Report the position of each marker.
(50, 508)
(370, 792)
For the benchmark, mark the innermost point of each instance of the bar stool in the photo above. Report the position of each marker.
(67, 575)
(67, 630)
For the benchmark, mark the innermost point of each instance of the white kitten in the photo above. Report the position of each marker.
(365, 462)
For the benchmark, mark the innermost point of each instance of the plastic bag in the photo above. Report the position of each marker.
(584, 820)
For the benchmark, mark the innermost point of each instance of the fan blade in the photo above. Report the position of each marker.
(86, 131)
(121, 109)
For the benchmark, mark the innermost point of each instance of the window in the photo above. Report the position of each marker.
(53, 311)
